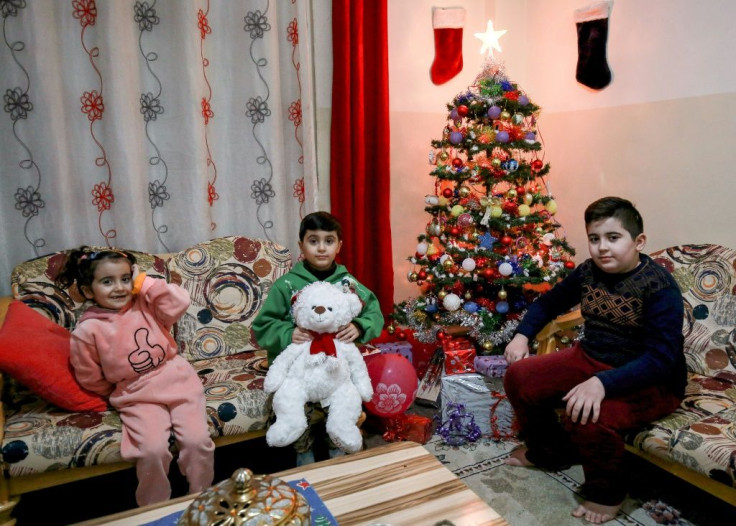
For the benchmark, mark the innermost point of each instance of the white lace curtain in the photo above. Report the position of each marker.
(153, 125)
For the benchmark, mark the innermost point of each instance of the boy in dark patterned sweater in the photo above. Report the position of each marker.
(627, 370)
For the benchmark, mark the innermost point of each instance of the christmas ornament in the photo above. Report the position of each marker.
(505, 269)
(592, 27)
(490, 39)
(452, 302)
(536, 165)
(463, 192)
(447, 192)
(502, 307)
(469, 264)
(502, 294)
(551, 206)
(456, 137)
(494, 112)
(502, 137)
(422, 248)
(447, 24)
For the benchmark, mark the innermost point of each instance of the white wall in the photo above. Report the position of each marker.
(660, 134)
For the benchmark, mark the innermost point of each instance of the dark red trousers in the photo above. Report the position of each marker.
(535, 387)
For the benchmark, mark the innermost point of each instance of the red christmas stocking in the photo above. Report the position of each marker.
(592, 24)
(447, 23)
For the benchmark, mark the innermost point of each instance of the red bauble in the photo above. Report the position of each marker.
(422, 274)
(537, 165)
(462, 110)
(457, 162)
(506, 240)
(447, 192)
(570, 265)
(394, 381)
(441, 335)
(510, 207)
(521, 191)
(487, 273)
(455, 231)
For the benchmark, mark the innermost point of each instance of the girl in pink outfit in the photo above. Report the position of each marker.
(122, 348)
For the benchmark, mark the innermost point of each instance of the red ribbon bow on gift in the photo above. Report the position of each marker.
(324, 342)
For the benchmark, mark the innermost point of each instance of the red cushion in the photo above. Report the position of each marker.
(35, 351)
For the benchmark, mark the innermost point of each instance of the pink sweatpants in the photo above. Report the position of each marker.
(150, 406)
(535, 387)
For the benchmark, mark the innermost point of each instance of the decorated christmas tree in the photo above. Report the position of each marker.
(491, 244)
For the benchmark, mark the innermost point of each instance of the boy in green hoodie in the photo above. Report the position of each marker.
(320, 240)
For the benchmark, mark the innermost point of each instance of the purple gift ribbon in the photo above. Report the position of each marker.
(460, 427)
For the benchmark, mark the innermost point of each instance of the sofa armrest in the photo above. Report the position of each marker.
(549, 336)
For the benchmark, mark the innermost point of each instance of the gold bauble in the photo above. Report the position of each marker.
(464, 191)
(468, 296)
(448, 263)
(413, 276)
(441, 294)
(391, 328)
(496, 162)
(487, 346)
(528, 199)
(512, 193)
(502, 294)
(443, 156)
(505, 115)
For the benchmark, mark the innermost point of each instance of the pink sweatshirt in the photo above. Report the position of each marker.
(109, 347)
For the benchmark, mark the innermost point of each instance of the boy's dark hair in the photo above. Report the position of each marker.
(320, 221)
(80, 264)
(618, 208)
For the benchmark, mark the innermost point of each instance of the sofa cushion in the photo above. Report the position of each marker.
(35, 352)
(701, 433)
(706, 275)
(39, 438)
(228, 279)
(33, 282)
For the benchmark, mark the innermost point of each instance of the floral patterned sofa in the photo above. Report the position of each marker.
(698, 441)
(228, 279)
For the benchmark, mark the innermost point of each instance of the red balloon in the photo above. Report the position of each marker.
(394, 381)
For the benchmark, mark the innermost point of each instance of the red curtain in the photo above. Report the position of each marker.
(359, 162)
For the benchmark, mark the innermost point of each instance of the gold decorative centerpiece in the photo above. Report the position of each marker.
(248, 500)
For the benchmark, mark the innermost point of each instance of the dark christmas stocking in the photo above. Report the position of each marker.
(592, 24)
(447, 23)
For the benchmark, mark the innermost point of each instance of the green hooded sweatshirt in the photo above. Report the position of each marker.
(274, 324)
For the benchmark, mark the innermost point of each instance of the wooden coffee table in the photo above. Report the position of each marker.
(398, 484)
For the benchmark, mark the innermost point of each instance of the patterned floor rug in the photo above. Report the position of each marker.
(532, 497)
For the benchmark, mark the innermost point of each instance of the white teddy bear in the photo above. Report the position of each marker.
(324, 370)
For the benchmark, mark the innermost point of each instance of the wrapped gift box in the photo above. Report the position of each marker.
(402, 347)
(417, 428)
(471, 391)
(493, 366)
(428, 392)
(459, 356)
(421, 352)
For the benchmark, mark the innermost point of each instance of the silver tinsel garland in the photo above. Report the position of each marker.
(461, 318)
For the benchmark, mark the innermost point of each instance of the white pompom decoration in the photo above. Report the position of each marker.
(468, 264)
(452, 302)
(505, 269)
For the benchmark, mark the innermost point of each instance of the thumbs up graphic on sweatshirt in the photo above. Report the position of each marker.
(146, 356)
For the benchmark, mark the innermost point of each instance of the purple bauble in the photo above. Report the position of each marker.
(456, 137)
(523, 100)
(454, 115)
(494, 112)
(502, 136)
(530, 137)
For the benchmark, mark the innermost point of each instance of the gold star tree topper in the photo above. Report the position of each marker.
(490, 39)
